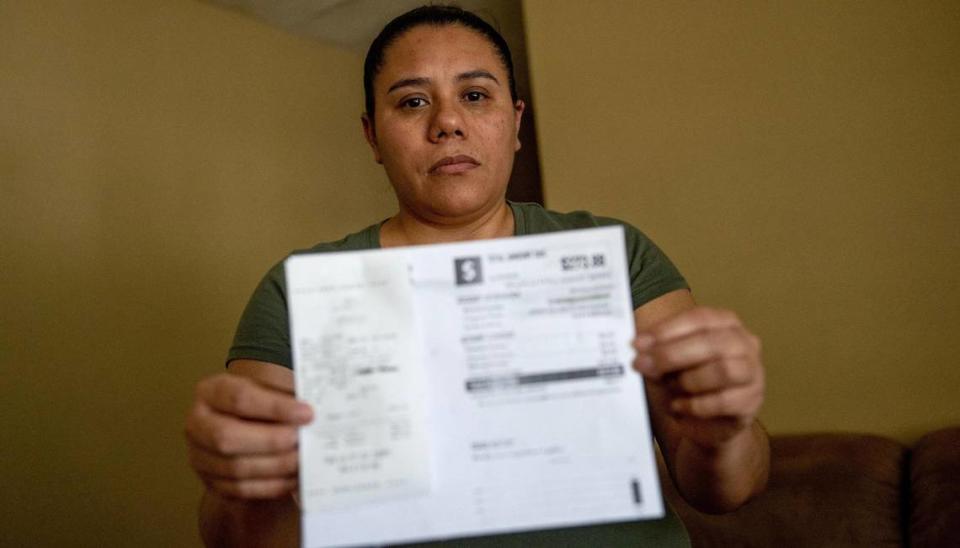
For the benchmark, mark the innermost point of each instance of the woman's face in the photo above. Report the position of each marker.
(445, 126)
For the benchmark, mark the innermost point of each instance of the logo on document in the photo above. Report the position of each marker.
(468, 270)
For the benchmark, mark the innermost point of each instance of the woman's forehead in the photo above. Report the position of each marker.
(431, 49)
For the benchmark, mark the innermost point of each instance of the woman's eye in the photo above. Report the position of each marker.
(474, 96)
(414, 102)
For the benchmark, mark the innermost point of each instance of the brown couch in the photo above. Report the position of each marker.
(844, 490)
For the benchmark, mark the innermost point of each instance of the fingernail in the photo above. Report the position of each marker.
(303, 413)
(643, 341)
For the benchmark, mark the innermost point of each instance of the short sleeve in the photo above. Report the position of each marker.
(263, 332)
(652, 274)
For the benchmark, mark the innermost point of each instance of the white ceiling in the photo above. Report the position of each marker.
(352, 24)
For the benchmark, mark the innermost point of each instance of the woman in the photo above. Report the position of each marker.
(442, 116)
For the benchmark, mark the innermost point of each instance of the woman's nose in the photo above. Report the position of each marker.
(446, 122)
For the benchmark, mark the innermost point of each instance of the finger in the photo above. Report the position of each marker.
(714, 375)
(690, 321)
(270, 375)
(254, 488)
(695, 349)
(742, 403)
(245, 467)
(229, 436)
(235, 395)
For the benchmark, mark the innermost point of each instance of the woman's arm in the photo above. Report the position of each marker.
(226, 521)
(242, 442)
(705, 384)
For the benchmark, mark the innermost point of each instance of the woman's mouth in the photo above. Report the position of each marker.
(452, 165)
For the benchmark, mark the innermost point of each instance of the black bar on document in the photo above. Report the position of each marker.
(510, 381)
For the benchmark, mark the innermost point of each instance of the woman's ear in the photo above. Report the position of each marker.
(370, 134)
(518, 115)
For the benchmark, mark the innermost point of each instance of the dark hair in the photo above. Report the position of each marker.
(439, 16)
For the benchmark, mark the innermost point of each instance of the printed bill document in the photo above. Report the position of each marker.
(469, 389)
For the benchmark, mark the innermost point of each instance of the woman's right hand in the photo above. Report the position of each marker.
(242, 431)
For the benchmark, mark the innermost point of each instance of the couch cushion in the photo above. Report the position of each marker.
(824, 490)
(935, 490)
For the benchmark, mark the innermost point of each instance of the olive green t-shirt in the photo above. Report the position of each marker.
(263, 334)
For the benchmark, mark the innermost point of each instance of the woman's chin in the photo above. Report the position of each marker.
(459, 206)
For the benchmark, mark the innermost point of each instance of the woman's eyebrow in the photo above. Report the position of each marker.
(411, 82)
(479, 73)
(421, 81)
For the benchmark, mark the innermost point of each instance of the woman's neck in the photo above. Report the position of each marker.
(407, 228)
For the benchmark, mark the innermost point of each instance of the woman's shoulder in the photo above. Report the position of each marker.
(368, 238)
(533, 218)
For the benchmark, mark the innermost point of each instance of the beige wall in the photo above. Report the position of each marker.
(800, 161)
(155, 159)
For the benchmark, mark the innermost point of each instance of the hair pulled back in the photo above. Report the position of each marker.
(434, 15)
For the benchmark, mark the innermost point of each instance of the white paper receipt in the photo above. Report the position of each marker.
(469, 389)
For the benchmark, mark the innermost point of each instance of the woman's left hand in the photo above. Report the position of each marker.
(709, 367)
